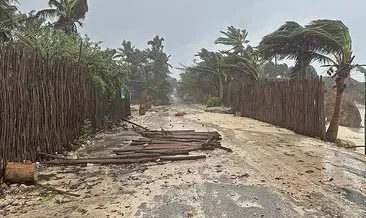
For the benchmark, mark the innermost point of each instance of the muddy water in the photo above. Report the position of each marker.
(271, 172)
(312, 173)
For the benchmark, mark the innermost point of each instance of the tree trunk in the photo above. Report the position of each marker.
(221, 89)
(332, 131)
(21, 173)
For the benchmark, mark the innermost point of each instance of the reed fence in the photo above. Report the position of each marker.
(297, 105)
(44, 102)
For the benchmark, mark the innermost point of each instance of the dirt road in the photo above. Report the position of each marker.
(271, 173)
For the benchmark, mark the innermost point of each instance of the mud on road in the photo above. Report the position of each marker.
(271, 173)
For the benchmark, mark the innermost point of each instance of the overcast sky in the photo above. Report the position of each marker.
(189, 25)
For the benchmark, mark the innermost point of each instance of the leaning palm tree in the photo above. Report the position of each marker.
(332, 38)
(212, 65)
(287, 42)
(67, 13)
(236, 38)
(326, 41)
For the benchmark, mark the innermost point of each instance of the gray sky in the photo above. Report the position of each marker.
(189, 25)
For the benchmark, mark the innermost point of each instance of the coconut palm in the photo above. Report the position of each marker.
(134, 58)
(326, 41)
(68, 14)
(287, 42)
(241, 59)
(158, 68)
(332, 39)
(212, 65)
(236, 38)
(7, 21)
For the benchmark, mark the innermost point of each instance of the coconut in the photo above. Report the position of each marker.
(350, 115)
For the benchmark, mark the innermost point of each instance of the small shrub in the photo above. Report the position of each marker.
(86, 132)
(212, 101)
(107, 122)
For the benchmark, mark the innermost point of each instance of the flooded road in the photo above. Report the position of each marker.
(271, 172)
(314, 178)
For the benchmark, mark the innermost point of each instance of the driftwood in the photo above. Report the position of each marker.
(50, 188)
(157, 152)
(124, 161)
(156, 147)
(98, 161)
(133, 123)
(21, 173)
(178, 158)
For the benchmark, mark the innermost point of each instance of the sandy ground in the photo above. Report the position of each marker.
(355, 135)
(271, 173)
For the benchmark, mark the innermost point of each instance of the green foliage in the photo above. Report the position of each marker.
(215, 69)
(108, 74)
(213, 101)
(150, 67)
(85, 133)
(66, 13)
(107, 122)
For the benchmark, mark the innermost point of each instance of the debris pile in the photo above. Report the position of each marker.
(155, 145)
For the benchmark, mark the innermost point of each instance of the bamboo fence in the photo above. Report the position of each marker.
(44, 102)
(297, 105)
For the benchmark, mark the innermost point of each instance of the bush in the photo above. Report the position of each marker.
(212, 101)
(86, 133)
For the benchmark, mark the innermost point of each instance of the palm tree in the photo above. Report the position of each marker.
(326, 41)
(332, 39)
(233, 37)
(135, 59)
(288, 42)
(241, 59)
(158, 66)
(212, 65)
(7, 21)
(68, 14)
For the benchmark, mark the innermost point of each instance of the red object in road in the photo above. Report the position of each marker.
(180, 114)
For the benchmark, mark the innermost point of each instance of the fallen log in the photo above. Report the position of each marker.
(173, 131)
(162, 143)
(178, 158)
(98, 161)
(133, 123)
(135, 148)
(205, 134)
(188, 137)
(181, 140)
(26, 173)
(157, 152)
(123, 161)
(224, 148)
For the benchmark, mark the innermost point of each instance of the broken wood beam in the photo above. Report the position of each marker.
(133, 123)
(157, 152)
(162, 143)
(136, 148)
(179, 158)
(98, 161)
(26, 173)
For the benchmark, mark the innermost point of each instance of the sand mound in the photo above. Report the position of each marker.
(350, 115)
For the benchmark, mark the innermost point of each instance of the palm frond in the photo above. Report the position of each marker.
(48, 13)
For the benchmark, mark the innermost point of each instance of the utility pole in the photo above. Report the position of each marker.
(364, 118)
